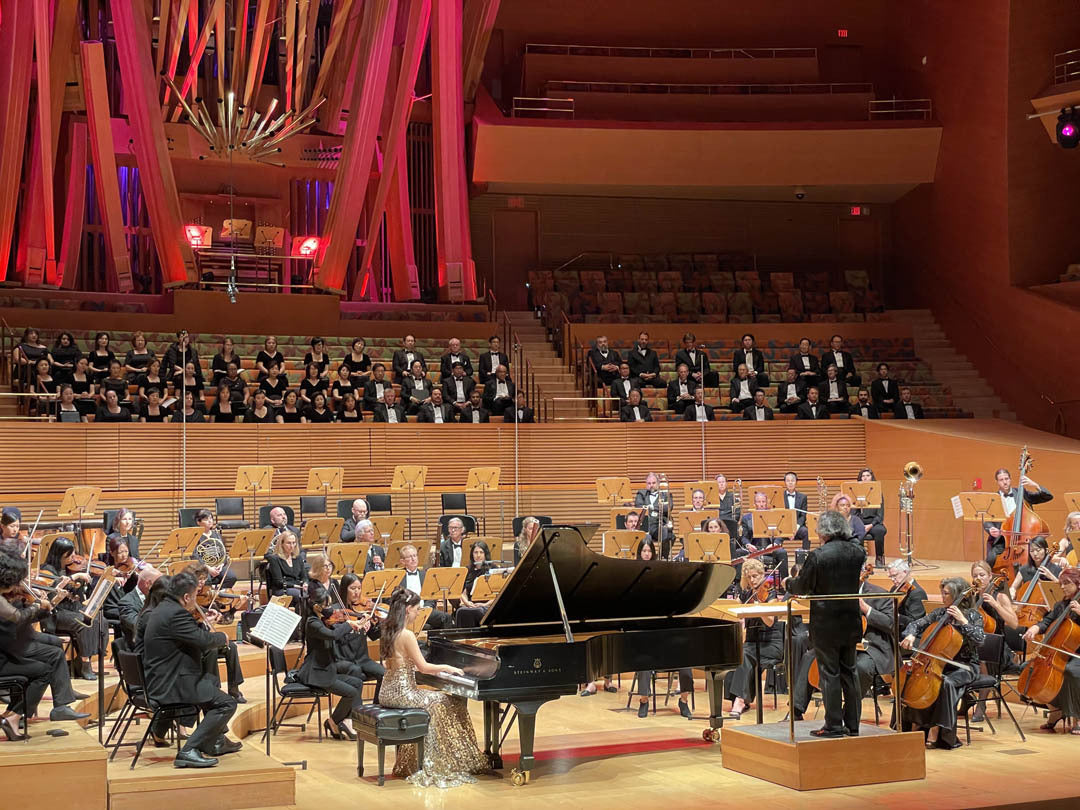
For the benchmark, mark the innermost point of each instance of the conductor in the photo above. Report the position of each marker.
(835, 625)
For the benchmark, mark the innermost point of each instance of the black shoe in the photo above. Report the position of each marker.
(612, 689)
(684, 710)
(827, 733)
(193, 759)
(798, 717)
(160, 742)
(237, 696)
(643, 710)
(60, 713)
(223, 746)
(851, 732)
(12, 734)
(88, 673)
(586, 693)
(331, 731)
(79, 695)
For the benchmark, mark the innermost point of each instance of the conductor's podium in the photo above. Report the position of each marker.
(877, 755)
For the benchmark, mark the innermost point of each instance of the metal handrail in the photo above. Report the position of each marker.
(907, 108)
(742, 88)
(555, 418)
(670, 53)
(548, 105)
(1067, 66)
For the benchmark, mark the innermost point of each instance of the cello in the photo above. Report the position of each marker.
(921, 675)
(1025, 524)
(1044, 675)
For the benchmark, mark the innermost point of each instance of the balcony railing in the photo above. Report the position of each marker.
(526, 107)
(901, 109)
(672, 53)
(1067, 66)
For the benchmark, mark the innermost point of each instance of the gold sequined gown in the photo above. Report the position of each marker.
(451, 754)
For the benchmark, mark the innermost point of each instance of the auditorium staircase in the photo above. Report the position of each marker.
(969, 390)
(553, 380)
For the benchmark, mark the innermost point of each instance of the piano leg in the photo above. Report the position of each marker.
(714, 688)
(526, 720)
(491, 734)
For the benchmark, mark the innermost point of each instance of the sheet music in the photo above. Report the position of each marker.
(957, 507)
(276, 625)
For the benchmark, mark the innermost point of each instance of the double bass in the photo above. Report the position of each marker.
(1025, 524)
(921, 675)
(1042, 678)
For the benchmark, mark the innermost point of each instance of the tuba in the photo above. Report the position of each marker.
(210, 550)
(912, 472)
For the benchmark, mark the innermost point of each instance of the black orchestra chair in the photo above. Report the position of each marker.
(230, 513)
(264, 514)
(186, 518)
(467, 520)
(291, 692)
(379, 503)
(990, 654)
(314, 505)
(134, 681)
(12, 690)
(454, 502)
(344, 508)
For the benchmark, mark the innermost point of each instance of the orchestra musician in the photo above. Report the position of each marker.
(995, 539)
(530, 529)
(1064, 547)
(836, 567)
(123, 528)
(414, 581)
(741, 684)
(737, 549)
(219, 575)
(174, 657)
(322, 669)
(644, 678)
(227, 651)
(286, 569)
(470, 612)
(842, 504)
(994, 601)
(749, 355)
(359, 511)
(793, 499)
(1039, 565)
(65, 619)
(132, 604)
(38, 657)
(910, 608)
(873, 518)
(658, 506)
(451, 551)
(353, 649)
(939, 720)
(1067, 703)
(376, 554)
(746, 528)
(119, 557)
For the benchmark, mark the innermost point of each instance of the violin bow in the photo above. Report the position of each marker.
(375, 604)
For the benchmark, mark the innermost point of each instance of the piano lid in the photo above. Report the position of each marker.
(595, 587)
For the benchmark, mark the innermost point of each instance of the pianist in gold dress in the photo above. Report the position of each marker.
(451, 755)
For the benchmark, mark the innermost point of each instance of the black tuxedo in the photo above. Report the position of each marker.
(626, 412)
(756, 359)
(796, 362)
(804, 411)
(750, 415)
(840, 406)
(648, 363)
(174, 651)
(653, 525)
(598, 360)
(900, 411)
(381, 412)
(446, 365)
(130, 607)
(911, 606)
(871, 410)
(372, 397)
(698, 363)
(401, 364)
(449, 389)
(777, 559)
(846, 372)
(735, 388)
(884, 400)
(673, 402)
(690, 414)
(620, 388)
(438, 619)
(994, 547)
(487, 371)
(427, 412)
(836, 628)
(781, 396)
(446, 553)
(412, 396)
(527, 415)
(498, 407)
(466, 415)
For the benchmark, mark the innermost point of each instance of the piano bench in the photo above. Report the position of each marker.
(381, 726)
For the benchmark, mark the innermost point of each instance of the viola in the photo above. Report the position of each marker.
(1044, 674)
(340, 615)
(921, 675)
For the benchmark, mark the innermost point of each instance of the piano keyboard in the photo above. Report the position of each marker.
(459, 685)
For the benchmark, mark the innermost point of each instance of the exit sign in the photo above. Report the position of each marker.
(842, 33)
(859, 211)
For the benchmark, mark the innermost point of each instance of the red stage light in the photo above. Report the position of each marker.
(198, 236)
(305, 246)
(856, 211)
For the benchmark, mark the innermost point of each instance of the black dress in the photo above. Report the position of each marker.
(290, 417)
(219, 366)
(161, 416)
(322, 364)
(137, 360)
(363, 365)
(347, 416)
(742, 682)
(267, 418)
(281, 575)
(943, 712)
(224, 416)
(119, 386)
(80, 389)
(1068, 699)
(309, 388)
(266, 359)
(64, 354)
(99, 364)
(314, 416)
(145, 384)
(105, 415)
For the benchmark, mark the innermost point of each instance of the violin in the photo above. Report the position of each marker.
(1044, 674)
(922, 674)
(1025, 524)
(758, 594)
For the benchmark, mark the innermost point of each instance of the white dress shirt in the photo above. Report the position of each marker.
(460, 386)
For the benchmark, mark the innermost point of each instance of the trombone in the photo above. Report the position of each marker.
(912, 472)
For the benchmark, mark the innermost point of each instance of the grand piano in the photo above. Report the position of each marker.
(567, 616)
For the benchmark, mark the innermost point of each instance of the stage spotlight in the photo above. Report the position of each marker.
(1068, 128)
(305, 247)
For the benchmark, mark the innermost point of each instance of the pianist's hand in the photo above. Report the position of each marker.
(451, 670)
